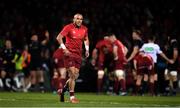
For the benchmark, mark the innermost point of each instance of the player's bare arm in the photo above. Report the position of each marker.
(166, 58)
(135, 51)
(60, 41)
(86, 43)
(175, 54)
(135, 64)
(115, 52)
(94, 56)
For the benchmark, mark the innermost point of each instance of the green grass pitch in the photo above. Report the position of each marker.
(14, 99)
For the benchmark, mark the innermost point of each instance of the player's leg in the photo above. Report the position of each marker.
(145, 84)
(138, 83)
(166, 82)
(100, 76)
(156, 85)
(73, 75)
(2, 78)
(54, 81)
(100, 72)
(151, 84)
(173, 75)
(40, 79)
(62, 83)
(33, 79)
(62, 79)
(120, 74)
(139, 77)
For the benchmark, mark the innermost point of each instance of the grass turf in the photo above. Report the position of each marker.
(14, 99)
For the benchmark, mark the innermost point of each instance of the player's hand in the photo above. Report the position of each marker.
(13, 61)
(116, 58)
(66, 52)
(55, 60)
(87, 54)
(5, 62)
(171, 61)
(150, 67)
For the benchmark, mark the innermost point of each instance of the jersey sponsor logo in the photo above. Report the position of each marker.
(149, 49)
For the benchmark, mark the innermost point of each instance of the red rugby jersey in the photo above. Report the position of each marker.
(104, 43)
(121, 50)
(74, 38)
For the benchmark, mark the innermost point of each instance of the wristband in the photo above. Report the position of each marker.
(63, 46)
(87, 47)
(116, 58)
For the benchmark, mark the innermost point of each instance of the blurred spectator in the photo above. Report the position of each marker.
(36, 72)
(26, 63)
(8, 55)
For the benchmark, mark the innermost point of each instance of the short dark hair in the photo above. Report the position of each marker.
(138, 32)
(151, 37)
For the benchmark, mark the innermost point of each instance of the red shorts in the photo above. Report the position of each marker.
(58, 58)
(143, 65)
(118, 64)
(145, 71)
(71, 61)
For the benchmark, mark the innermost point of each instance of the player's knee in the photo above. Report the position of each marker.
(74, 75)
(151, 78)
(145, 77)
(138, 82)
(100, 74)
(119, 73)
(166, 72)
(63, 73)
(173, 73)
(63, 76)
(55, 75)
(155, 77)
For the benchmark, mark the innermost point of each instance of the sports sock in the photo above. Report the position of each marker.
(99, 85)
(151, 88)
(123, 85)
(144, 87)
(116, 86)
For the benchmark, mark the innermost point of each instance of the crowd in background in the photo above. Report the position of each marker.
(27, 21)
(24, 18)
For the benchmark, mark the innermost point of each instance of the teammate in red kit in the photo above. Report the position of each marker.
(75, 34)
(143, 65)
(59, 75)
(100, 57)
(119, 52)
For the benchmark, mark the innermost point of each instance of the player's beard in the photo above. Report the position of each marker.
(78, 24)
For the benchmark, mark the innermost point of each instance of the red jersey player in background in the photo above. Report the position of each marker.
(119, 52)
(143, 65)
(101, 55)
(75, 34)
(59, 75)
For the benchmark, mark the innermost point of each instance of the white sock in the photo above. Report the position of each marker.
(72, 97)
